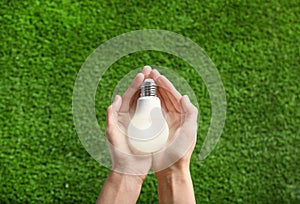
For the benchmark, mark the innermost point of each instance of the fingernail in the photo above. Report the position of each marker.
(138, 75)
(146, 69)
(116, 99)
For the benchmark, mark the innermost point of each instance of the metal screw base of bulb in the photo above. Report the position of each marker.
(148, 88)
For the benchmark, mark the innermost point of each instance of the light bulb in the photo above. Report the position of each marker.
(148, 130)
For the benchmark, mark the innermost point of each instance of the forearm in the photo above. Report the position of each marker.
(120, 188)
(175, 187)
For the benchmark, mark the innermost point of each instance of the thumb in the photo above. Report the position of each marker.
(117, 103)
(190, 111)
(112, 111)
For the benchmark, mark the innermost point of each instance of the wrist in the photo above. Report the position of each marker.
(135, 179)
(174, 171)
(174, 182)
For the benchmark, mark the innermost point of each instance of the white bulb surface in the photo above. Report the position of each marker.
(148, 130)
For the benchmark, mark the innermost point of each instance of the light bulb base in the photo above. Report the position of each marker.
(148, 88)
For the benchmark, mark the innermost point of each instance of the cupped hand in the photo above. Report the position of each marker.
(124, 159)
(181, 116)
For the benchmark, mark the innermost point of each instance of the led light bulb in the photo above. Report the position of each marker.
(148, 130)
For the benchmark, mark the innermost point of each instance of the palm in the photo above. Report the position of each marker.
(181, 117)
(124, 159)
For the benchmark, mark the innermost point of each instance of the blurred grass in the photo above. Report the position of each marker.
(254, 44)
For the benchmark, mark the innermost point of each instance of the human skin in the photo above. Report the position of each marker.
(174, 181)
(129, 168)
(125, 160)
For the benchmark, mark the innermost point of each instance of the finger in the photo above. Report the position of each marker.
(190, 110)
(165, 83)
(162, 101)
(146, 71)
(109, 117)
(112, 111)
(133, 102)
(154, 74)
(133, 88)
(162, 93)
(176, 106)
(166, 99)
(172, 103)
(117, 103)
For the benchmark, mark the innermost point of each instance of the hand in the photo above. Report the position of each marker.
(171, 164)
(124, 159)
(181, 116)
(129, 168)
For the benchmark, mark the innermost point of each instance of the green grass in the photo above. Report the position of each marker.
(254, 44)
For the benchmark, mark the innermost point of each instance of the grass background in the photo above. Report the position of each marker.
(254, 44)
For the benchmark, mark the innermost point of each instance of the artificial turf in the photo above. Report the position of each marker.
(254, 44)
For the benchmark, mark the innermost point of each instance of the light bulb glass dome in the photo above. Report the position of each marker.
(148, 130)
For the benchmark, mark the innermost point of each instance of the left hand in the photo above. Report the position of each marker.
(181, 116)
